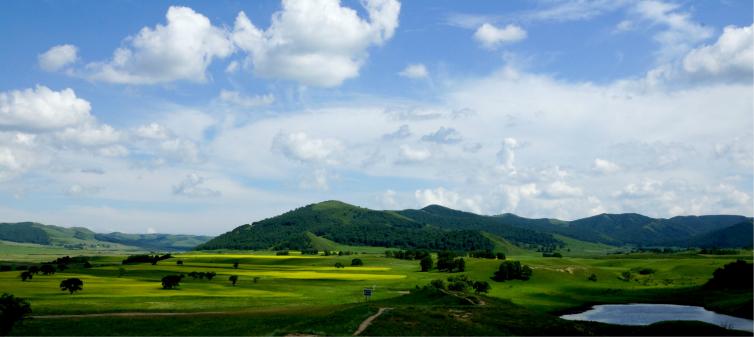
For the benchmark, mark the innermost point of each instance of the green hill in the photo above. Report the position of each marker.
(81, 238)
(737, 236)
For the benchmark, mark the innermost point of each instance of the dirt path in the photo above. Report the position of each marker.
(365, 324)
(133, 314)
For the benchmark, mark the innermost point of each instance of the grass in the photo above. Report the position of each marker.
(301, 290)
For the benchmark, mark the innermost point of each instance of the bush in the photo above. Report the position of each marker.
(14, 310)
(646, 271)
(592, 278)
(339, 265)
(6, 267)
(512, 270)
(625, 276)
(500, 256)
(439, 284)
(357, 262)
(481, 287)
(282, 252)
(179, 262)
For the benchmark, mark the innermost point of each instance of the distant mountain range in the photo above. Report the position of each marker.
(438, 227)
(80, 237)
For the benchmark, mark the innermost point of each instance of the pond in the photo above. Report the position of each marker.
(645, 314)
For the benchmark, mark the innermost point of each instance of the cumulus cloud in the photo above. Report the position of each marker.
(507, 156)
(443, 135)
(415, 71)
(302, 147)
(447, 198)
(236, 98)
(605, 166)
(731, 56)
(182, 49)
(58, 57)
(42, 109)
(291, 49)
(560, 189)
(192, 186)
(410, 154)
(153, 131)
(491, 37)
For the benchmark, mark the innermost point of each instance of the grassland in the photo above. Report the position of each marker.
(295, 289)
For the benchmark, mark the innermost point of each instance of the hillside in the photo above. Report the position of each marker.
(81, 238)
(738, 235)
(346, 224)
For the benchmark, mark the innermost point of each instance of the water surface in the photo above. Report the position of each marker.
(645, 314)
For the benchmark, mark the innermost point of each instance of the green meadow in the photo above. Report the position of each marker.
(279, 294)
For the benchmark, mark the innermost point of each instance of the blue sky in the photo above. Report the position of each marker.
(191, 117)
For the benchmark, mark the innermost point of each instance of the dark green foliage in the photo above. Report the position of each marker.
(23, 232)
(282, 253)
(255, 279)
(717, 251)
(145, 258)
(34, 270)
(410, 254)
(592, 278)
(734, 275)
(233, 279)
(481, 287)
(552, 254)
(447, 261)
(339, 265)
(202, 275)
(121, 271)
(235, 265)
(6, 267)
(357, 262)
(179, 262)
(171, 281)
(47, 269)
(646, 271)
(12, 310)
(346, 224)
(71, 285)
(426, 263)
(309, 251)
(62, 267)
(447, 218)
(625, 276)
(512, 270)
(482, 254)
(87, 264)
(739, 235)
(500, 256)
(439, 284)
(26, 275)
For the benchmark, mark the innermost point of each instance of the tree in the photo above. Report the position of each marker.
(339, 265)
(26, 275)
(179, 262)
(734, 275)
(72, 285)
(12, 310)
(460, 265)
(233, 279)
(357, 262)
(171, 281)
(210, 275)
(512, 270)
(592, 278)
(426, 263)
(34, 270)
(439, 284)
(62, 267)
(47, 269)
(500, 256)
(481, 287)
(235, 265)
(256, 279)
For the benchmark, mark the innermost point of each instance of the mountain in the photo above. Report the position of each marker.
(629, 228)
(169, 242)
(80, 237)
(429, 228)
(738, 235)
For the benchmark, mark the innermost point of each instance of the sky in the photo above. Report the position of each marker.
(197, 117)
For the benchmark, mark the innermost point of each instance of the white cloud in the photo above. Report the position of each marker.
(415, 71)
(291, 49)
(560, 189)
(232, 67)
(443, 197)
(42, 109)
(153, 131)
(236, 98)
(731, 56)
(192, 186)
(491, 37)
(90, 135)
(58, 57)
(403, 132)
(443, 135)
(410, 154)
(605, 166)
(302, 147)
(180, 50)
(681, 32)
(507, 156)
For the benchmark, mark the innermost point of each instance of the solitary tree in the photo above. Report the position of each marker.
(426, 263)
(235, 265)
(592, 278)
(171, 281)
(256, 279)
(500, 256)
(357, 262)
(233, 279)
(179, 262)
(26, 275)
(72, 285)
(12, 311)
(339, 265)
(47, 269)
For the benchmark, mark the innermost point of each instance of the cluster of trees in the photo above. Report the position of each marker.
(202, 275)
(145, 258)
(461, 283)
(171, 281)
(410, 254)
(447, 261)
(12, 310)
(487, 254)
(734, 275)
(310, 251)
(512, 270)
(718, 251)
(339, 253)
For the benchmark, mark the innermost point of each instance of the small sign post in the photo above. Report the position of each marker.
(367, 293)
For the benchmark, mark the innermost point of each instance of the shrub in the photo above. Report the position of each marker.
(14, 310)
(625, 276)
(646, 271)
(179, 262)
(439, 284)
(592, 278)
(282, 252)
(500, 256)
(357, 262)
(339, 265)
